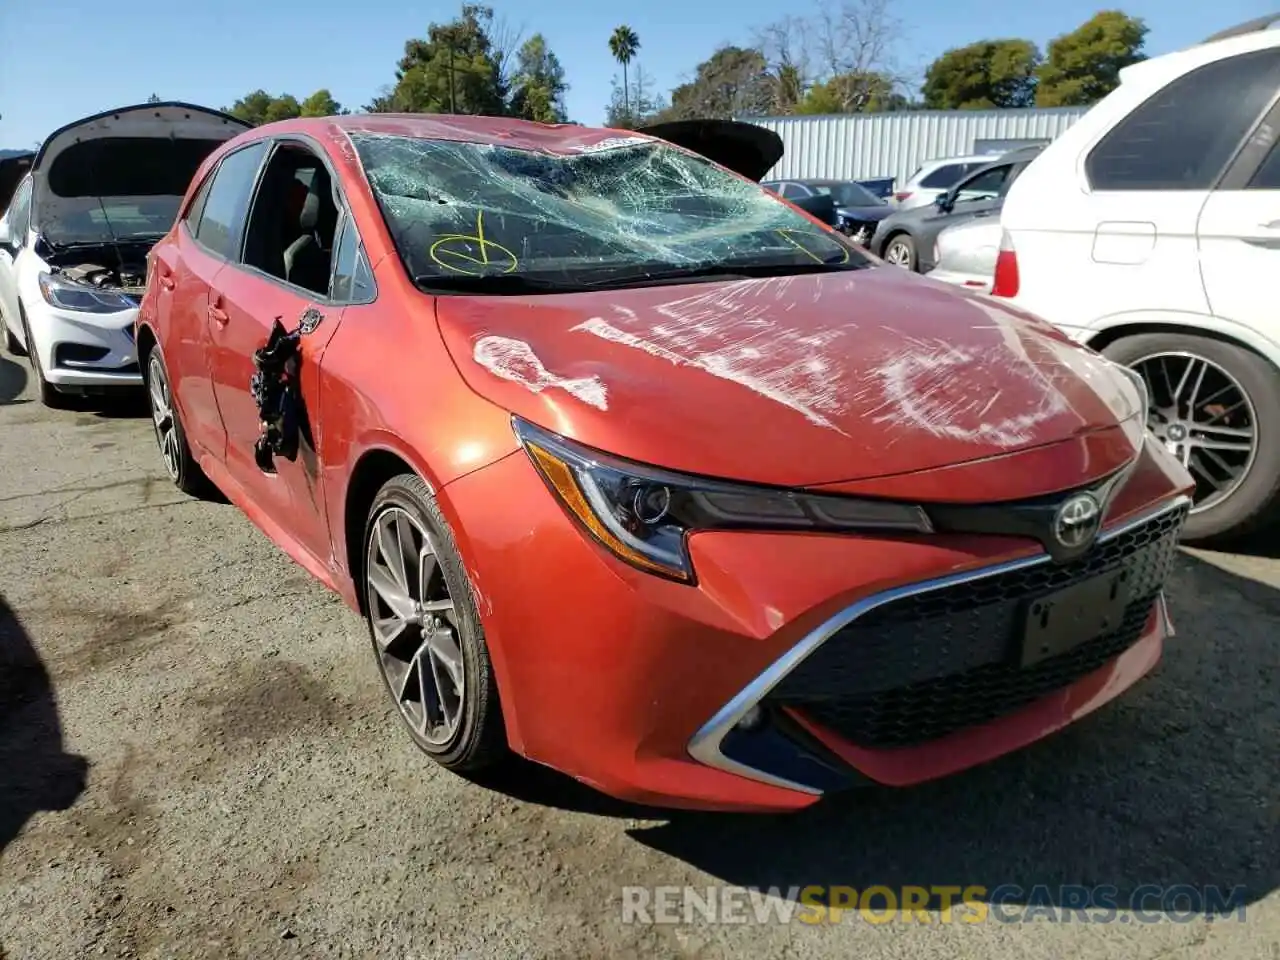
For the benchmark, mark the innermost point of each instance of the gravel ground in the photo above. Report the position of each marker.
(197, 760)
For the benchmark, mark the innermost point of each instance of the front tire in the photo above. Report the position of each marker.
(1215, 406)
(50, 396)
(426, 632)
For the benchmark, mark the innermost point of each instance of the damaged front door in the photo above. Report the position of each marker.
(243, 310)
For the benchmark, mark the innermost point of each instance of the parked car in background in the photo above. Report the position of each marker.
(881, 187)
(1150, 230)
(906, 238)
(488, 366)
(965, 254)
(74, 240)
(935, 177)
(858, 211)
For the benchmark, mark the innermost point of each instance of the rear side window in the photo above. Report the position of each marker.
(1184, 136)
(352, 279)
(1268, 175)
(947, 175)
(192, 219)
(227, 204)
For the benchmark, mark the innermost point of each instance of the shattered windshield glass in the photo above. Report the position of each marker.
(621, 213)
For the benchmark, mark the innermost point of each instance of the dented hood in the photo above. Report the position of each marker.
(744, 148)
(795, 381)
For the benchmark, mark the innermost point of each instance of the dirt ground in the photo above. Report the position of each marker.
(197, 760)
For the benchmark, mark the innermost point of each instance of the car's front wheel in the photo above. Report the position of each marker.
(426, 630)
(50, 396)
(901, 251)
(179, 463)
(1216, 407)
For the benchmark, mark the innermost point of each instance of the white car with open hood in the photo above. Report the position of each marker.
(75, 237)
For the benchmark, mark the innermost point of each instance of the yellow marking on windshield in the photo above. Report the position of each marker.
(454, 251)
(786, 235)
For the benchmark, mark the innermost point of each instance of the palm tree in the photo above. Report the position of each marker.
(624, 44)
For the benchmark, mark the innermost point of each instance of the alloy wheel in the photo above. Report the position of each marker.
(1205, 418)
(415, 626)
(899, 254)
(162, 416)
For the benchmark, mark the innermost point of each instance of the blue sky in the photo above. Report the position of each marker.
(63, 60)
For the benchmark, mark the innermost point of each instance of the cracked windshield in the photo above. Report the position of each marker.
(626, 212)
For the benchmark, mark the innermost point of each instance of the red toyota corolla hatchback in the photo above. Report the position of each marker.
(642, 473)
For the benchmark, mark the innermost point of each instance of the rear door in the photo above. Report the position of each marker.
(207, 236)
(1150, 179)
(1239, 228)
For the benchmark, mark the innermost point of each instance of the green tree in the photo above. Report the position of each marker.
(320, 104)
(733, 81)
(643, 106)
(284, 107)
(852, 93)
(1084, 66)
(261, 107)
(539, 85)
(983, 75)
(456, 69)
(154, 98)
(624, 44)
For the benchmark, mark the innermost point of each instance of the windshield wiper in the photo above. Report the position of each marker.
(727, 270)
(498, 284)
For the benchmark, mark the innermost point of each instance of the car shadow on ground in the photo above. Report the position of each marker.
(1171, 785)
(13, 381)
(36, 773)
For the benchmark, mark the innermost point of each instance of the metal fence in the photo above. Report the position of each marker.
(896, 144)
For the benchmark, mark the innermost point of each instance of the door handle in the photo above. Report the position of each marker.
(217, 314)
(166, 281)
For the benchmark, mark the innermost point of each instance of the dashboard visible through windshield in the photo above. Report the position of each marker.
(618, 214)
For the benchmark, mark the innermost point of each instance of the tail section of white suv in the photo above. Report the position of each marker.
(1150, 230)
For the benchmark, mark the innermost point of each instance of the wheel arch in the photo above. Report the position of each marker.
(374, 467)
(1111, 329)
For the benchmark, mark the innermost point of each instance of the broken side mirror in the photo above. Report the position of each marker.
(944, 202)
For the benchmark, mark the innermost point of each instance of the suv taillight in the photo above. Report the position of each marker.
(902, 196)
(1005, 283)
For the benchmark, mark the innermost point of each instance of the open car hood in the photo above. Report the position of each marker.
(143, 151)
(12, 169)
(744, 148)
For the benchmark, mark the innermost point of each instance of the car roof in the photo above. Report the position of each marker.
(495, 131)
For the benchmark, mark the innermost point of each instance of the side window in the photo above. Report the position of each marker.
(196, 210)
(985, 186)
(294, 219)
(1182, 137)
(947, 176)
(352, 278)
(222, 217)
(20, 214)
(1268, 175)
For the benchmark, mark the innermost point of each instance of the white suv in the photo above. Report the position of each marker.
(1150, 230)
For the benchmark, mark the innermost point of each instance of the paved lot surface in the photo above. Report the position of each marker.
(197, 760)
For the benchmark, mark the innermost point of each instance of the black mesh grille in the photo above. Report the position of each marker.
(926, 665)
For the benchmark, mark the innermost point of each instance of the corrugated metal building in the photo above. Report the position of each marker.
(896, 144)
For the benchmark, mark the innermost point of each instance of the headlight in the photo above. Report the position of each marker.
(644, 515)
(1139, 386)
(67, 295)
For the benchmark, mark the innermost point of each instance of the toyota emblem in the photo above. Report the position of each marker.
(1077, 521)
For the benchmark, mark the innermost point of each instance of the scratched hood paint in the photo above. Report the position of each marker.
(791, 380)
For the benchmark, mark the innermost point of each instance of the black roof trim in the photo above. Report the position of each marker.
(181, 104)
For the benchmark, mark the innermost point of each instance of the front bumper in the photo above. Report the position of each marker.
(718, 696)
(85, 350)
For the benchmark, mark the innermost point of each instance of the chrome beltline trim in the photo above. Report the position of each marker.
(705, 744)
